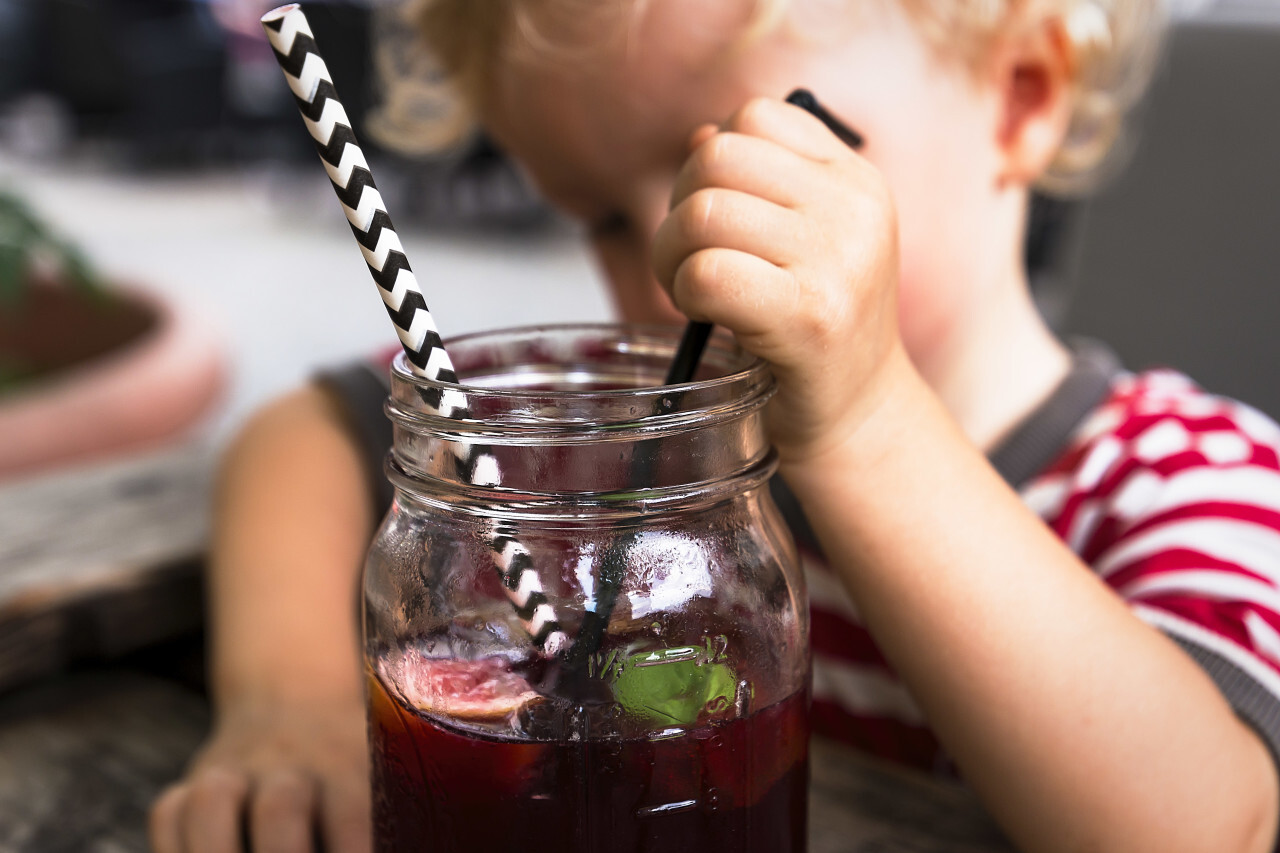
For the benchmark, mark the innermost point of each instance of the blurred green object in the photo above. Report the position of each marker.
(27, 244)
(55, 308)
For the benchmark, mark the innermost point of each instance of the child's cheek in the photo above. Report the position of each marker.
(926, 315)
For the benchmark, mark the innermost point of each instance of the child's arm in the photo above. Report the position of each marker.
(1081, 727)
(293, 517)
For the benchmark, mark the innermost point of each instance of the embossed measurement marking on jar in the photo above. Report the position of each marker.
(666, 808)
(608, 665)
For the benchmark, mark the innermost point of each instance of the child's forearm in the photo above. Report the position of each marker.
(292, 522)
(1081, 727)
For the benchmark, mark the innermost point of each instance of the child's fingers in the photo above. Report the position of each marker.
(701, 134)
(749, 164)
(212, 817)
(719, 218)
(789, 126)
(347, 815)
(165, 823)
(281, 814)
(738, 290)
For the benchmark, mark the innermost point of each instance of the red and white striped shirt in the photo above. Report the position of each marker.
(1172, 496)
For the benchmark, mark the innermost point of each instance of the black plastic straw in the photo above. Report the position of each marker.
(682, 369)
(695, 337)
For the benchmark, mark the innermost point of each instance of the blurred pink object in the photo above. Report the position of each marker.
(149, 391)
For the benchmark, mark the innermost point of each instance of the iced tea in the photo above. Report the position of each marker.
(728, 785)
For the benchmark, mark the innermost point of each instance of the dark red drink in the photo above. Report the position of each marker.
(732, 785)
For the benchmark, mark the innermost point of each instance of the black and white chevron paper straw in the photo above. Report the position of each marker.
(308, 76)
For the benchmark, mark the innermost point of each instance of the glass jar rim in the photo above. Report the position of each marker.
(746, 383)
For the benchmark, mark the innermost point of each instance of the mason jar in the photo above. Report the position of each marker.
(585, 627)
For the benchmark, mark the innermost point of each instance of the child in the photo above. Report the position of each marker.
(1097, 655)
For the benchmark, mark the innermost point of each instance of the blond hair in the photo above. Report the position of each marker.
(432, 94)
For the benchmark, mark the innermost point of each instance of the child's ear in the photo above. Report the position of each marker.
(1034, 75)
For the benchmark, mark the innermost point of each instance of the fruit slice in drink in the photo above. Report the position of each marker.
(483, 693)
(471, 690)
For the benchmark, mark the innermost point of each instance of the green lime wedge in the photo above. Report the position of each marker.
(671, 687)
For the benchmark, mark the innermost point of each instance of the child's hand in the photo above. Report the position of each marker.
(274, 779)
(781, 233)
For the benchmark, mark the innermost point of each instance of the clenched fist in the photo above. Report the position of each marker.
(782, 234)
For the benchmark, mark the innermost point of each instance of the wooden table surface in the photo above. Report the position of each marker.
(99, 561)
(96, 564)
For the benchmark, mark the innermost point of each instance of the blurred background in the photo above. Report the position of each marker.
(158, 135)
(154, 142)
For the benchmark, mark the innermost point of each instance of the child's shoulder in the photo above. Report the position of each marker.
(1172, 496)
(1163, 474)
(1159, 425)
(1209, 423)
